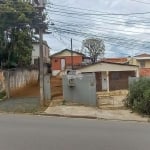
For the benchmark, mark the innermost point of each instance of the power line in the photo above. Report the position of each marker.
(103, 18)
(107, 39)
(108, 14)
(99, 27)
(79, 29)
(106, 52)
(141, 2)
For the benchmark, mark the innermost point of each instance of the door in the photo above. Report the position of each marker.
(104, 81)
(63, 64)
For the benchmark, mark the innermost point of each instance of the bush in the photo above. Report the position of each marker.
(139, 96)
(2, 94)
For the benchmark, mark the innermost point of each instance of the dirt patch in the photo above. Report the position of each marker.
(56, 87)
(30, 90)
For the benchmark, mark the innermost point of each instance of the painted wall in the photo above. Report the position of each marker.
(134, 61)
(35, 52)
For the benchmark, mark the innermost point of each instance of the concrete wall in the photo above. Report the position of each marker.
(2, 81)
(18, 78)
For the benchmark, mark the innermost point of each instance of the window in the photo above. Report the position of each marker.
(142, 63)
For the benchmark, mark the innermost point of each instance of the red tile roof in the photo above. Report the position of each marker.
(115, 60)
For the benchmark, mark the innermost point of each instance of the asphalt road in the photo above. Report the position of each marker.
(26, 132)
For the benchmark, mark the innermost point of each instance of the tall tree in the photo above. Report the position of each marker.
(17, 18)
(94, 47)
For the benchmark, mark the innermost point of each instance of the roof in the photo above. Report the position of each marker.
(143, 55)
(123, 64)
(67, 50)
(116, 60)
(108, 66)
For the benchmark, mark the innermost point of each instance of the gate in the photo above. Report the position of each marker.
(80, 89)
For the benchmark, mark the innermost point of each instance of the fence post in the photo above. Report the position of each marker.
(8, 84)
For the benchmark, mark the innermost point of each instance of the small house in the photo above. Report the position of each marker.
(67, 59)
(111, 76)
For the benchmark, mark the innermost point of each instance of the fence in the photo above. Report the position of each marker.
(11, 80)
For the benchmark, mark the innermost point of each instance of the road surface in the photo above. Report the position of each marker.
(26, 132)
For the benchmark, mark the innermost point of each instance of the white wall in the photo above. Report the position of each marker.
(35, 52)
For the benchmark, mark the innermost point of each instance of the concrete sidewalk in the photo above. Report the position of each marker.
(95, 113)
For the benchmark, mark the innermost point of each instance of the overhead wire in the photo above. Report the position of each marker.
(108, 21)
(107, 39)
(138, 1)
(77, 31)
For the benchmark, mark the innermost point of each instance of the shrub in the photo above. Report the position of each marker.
(2, 94)
(139, 96)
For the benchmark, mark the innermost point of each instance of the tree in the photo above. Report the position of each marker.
(18, 18)
(95, 48)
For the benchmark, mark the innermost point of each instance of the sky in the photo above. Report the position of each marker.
(127, 34)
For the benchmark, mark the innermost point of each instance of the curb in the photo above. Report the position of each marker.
(90, 117)
(67, 116)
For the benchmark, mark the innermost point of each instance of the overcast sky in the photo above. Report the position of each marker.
(123, 35)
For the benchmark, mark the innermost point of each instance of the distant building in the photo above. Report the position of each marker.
(66, 59)
(36, 55)
(142, 60)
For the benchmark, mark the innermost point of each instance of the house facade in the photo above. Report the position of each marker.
(111, 76)
(35, 52)
(67, 59)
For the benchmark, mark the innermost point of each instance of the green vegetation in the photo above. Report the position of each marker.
(2, 94)
(17, 19)
(139, 96)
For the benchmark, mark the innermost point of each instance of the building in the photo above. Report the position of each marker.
(111, 76)
(35, 52)
(142, 60)
(67, 59)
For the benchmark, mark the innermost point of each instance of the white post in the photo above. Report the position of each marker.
(107, 74)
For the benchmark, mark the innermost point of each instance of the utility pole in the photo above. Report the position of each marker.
(40, 7)
(71, 56)
(41, 64)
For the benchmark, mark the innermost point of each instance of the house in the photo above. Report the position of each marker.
(142, 60)
(111, 76)
(67, 59)
(35, 52)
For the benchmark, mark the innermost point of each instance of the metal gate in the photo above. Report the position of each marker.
(80, 89)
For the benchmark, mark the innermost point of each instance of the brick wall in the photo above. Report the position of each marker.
(56, 61)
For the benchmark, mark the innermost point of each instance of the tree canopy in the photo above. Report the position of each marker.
(17, 18)
(94, 48)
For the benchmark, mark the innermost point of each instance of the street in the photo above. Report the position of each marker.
(25, 132)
